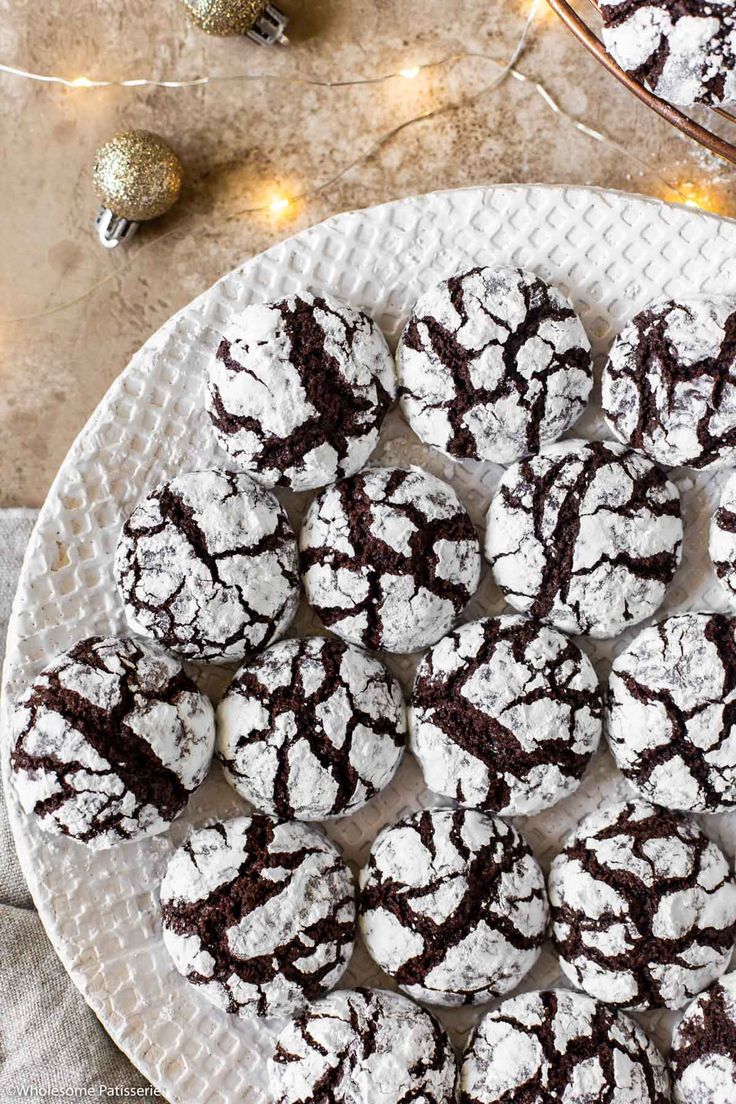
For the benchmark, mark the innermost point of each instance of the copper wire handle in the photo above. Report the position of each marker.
(677, 118)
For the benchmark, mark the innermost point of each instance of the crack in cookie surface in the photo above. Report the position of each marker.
(389, 558)
(298, 390)
(110, 740)
(259, 914)
(643, 907)
(207, 565)
(453, 906)
(554, 1045)
(669, 385)
(683, 50)
(586, 535)
(493, 363)
(505, 715)
(671, 718)
(359, 1046)
(703, 1055)
(311, 729)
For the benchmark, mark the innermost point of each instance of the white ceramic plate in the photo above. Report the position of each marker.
(612, 253)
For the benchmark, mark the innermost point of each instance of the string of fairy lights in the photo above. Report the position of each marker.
(279, 202)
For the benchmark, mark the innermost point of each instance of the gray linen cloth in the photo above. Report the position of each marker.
(51, 1043)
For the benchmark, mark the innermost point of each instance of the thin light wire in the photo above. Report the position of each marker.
(433, 113)
(197, 82)
(507, 69)
(597, 135)
(379, 144)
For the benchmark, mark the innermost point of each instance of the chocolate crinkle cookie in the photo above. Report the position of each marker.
(207, 566)
(643, 907)
(453, 906)
(493, 363)
(298, 390)
(363, 1046)
(389, 558)
(311, 729)
(671, 722)
(682, 50)
(669, 385)
(110, 740)
(259, 914)
(703, 1055)
(558, 1047)
(723, 539)
(586, 535)
(505, 715)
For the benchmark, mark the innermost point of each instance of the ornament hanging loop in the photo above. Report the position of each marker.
(112, 230)
(269, 27)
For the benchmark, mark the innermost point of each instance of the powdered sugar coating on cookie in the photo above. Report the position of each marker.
(259, 914)
(723, 539)
(505, 715)
(586, 535)
(311, 729)
(643, 907)
(389, 558)
(670, 719)
(359, 1046)
(703, 1055)
(110, 740)
(298, 390)
(492, 364)
(453, 906)
(556, 1046)
(669, 385)
(207, 566)
(685, 53)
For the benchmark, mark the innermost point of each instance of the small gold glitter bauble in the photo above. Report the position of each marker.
(137, 175)
(225, 17)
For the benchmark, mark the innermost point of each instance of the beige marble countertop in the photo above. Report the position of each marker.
(241, 141)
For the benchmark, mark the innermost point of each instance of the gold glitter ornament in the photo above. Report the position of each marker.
(138, 177)
(257, 19)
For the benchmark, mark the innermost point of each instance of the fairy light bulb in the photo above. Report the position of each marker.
(698, 196)
(409, 74)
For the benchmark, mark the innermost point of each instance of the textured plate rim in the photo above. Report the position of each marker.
(122, 1037)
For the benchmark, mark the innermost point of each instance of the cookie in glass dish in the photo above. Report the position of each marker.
(683, 52)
